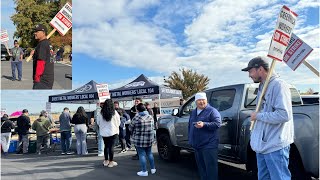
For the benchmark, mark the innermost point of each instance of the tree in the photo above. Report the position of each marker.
(32, 12)
(188, 81)
(310, 91)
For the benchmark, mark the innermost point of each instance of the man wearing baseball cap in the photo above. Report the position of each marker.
(203, 136)
(43, 68)
(273, 130)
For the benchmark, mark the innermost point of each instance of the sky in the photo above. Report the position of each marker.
(116, 41)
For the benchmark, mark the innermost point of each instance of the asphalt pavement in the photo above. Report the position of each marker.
(60, 80)
(74, 167)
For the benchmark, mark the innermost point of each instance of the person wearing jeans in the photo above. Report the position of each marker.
(108, 121)
(23, 126)
(273, 130)
(80, 119)
(41, 126)
(65, 131)
(142, 128)
(203, 136)
(16, 61)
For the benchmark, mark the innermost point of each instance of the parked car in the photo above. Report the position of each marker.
(310, 99)
(4, 53)
(235, 104)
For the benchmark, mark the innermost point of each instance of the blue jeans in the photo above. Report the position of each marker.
(18, 65)
(207, 162)
(66, 140)
(80, 130)
(100, 142)
(274, 166)
(144, 152)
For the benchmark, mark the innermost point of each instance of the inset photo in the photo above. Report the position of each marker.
(36, 45)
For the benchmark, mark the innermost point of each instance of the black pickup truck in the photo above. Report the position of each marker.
(235, 104)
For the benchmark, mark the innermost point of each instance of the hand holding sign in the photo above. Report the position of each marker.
(280, 40)
(62, 22)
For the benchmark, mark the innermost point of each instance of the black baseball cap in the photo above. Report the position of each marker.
(256, 63)
(25, 111)
(40, 27)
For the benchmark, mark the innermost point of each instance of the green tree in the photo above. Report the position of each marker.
(188, 81)
(32, 12)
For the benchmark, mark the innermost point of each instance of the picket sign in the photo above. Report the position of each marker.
(61, 22)
(5, 39)
(280, 40)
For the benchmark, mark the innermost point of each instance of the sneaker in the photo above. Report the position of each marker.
(142, 173)
(153, 171)
(70, 153)
(106, 163)
(5, 153)
(63, 153)
(135, 157)
(123, 151)
(101, 154)
(112, 164)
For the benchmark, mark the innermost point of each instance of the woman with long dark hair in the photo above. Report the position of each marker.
(108, 121)
(80, 119)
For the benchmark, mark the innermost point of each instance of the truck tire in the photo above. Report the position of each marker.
(166, 150)
(295, 165)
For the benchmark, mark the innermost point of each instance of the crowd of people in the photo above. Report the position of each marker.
(112, 124)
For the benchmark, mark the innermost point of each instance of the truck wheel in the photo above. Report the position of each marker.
(295, 165)
(166, 150)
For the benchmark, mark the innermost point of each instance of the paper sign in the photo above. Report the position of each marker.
(62, 22)
(4, 36)
(280, 40)
(296, 52)
(48, 107)
(103, 92)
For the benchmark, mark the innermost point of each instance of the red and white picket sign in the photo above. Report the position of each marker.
(62, 22)
(4, 36)
(281, 36)
(103, 92)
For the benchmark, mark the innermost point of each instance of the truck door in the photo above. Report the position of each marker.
(223, 101)
(181, 124)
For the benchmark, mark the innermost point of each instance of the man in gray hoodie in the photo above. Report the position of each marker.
(65, 131)
(273, 130)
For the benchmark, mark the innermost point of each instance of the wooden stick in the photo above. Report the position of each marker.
(265, 86)
(48, 36)
(311, 67)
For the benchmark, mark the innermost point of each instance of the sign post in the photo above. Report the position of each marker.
(280, 40)
(296, 54)
(61, 22)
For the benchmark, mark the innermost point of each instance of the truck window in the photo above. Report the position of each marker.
(189, 107)
(223, 99)
(250, 101)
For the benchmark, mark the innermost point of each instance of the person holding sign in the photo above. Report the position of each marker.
(16, 61)
(273, 131)
(43, 68)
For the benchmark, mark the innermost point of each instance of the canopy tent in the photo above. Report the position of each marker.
(86, 94)
(143, 87)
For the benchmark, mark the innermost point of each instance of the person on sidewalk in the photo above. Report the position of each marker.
(142, 128)
(96, 128)
(42, 126)
(203, 136)
(16, 61)
(6, 128)
(108, 121)
(43, 68)
(124, 118)
(65, 132)
(23, 126)
(133, 112)
(80, 119)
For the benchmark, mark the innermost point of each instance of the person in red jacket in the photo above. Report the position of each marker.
(43, 68)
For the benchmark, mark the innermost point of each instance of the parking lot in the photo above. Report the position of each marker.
(56, 166)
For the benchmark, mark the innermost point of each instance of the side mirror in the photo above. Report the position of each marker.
(175, 112)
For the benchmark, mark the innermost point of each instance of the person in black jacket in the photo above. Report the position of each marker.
(24, 125)
(80, 119)
(6, 127)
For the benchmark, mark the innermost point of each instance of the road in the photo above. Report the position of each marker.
(56, 166)
(60, 81)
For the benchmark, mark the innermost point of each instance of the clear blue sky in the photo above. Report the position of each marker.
(116, 41)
